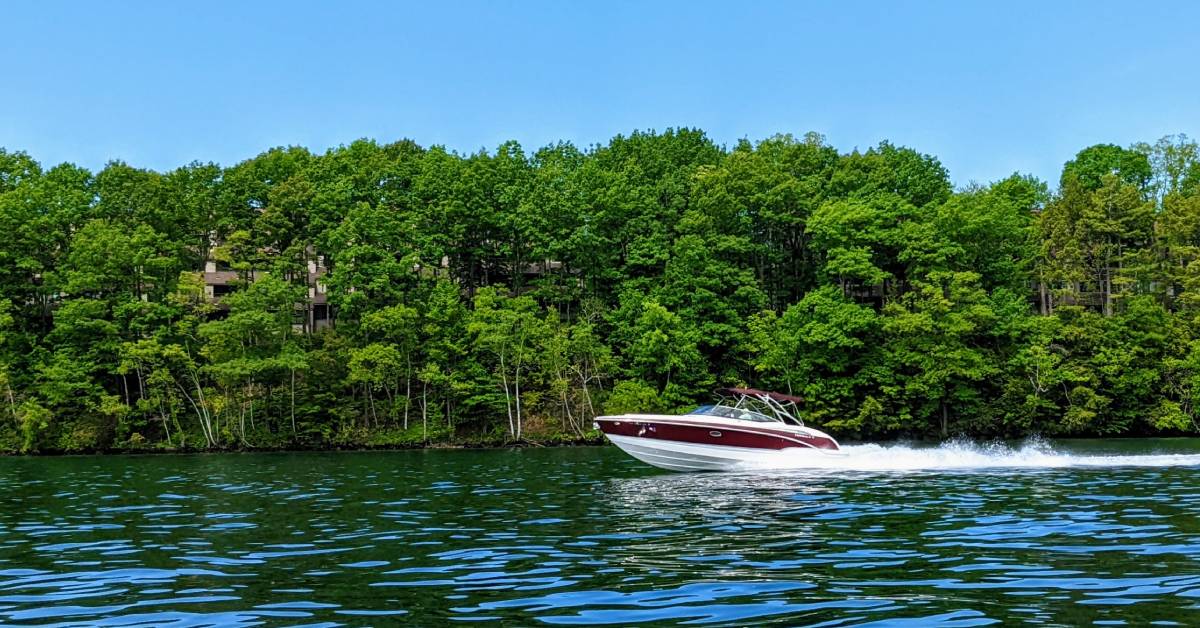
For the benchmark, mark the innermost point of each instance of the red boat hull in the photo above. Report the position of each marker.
(706, 433)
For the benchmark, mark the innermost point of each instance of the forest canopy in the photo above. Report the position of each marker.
(389, 294)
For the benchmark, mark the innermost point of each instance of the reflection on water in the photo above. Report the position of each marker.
(897, 536)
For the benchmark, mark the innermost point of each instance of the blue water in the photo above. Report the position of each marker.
(1055, 535)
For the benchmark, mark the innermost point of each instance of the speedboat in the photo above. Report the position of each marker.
(745, 428)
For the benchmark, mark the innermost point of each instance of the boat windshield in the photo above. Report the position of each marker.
(753, 405)
(728, 412)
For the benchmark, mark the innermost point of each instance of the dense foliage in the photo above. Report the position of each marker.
(508, 295)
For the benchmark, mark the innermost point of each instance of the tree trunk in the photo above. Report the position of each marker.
(517, 397)
(1107, 287)
(371, 401)
(217, 421)
(391, 401)
(293, 408)
(424, 411)
(407, 388)
(1044, 309)
(12, 401)
(250, 398)
(570, 417)
(202, 415)
(242, 423)
(512, 430)
(587, 399)
(162, 415)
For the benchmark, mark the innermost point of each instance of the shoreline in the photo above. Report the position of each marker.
(465, 444)
(597, 440)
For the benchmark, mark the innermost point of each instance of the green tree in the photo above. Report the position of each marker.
(252, 348)
(934, 355)
(509, 330)
(663, 351)
(1092, 164)
(817, 349)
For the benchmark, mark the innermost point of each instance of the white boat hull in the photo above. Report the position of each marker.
(682, 456)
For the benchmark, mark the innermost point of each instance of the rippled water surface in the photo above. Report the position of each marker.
(1063, 535)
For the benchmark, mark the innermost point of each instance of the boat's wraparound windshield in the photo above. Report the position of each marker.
(734, 413)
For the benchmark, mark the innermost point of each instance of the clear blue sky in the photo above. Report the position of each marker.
(989, 87)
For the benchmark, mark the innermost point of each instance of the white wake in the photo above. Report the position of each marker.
(965, 455)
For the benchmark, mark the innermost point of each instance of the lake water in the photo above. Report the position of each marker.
(1062, 534)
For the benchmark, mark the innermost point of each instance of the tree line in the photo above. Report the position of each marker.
(506, 295)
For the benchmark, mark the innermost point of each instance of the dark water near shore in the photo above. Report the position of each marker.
(1054, 535)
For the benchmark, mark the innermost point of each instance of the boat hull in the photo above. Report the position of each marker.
(708, 444)
(678, 456)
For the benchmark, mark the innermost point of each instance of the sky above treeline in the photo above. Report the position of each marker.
(990, 88)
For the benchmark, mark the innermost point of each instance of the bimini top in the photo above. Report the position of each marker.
(754, 392)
